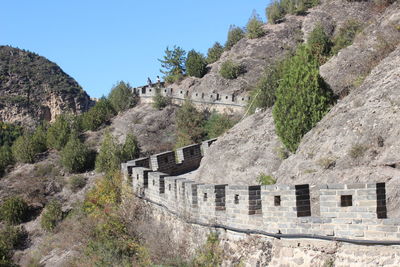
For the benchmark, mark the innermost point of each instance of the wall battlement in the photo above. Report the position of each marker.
(349, 211)
(178, 96)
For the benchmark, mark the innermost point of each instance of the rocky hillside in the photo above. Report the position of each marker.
(356, 141)
(32, 88)
(280, 39)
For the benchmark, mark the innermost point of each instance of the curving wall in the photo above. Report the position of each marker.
(348, 211)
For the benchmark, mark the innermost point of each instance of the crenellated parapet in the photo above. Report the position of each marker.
(346, 211)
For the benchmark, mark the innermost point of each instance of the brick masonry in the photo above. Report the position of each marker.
(353, 211)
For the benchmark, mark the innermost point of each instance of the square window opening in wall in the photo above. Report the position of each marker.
(346, 201)
(236, 199)
(137, 176)
(277, 201)
(169, 187)
(205, 197)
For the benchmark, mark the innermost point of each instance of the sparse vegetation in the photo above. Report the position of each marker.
(357, 151)
(326, 162)
(13, 210)
(210, 254)
(76, 183)
(51, 216)
(231, 70)
(214, 53)
(277, 10)
(160, 101)
(217, 124)
(346, 35)
(264, 179)
(235, 34)
(122, 97)
(254, 27)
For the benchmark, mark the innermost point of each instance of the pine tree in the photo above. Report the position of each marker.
(235, 34)
(173, 64)
(196, 64)
(214, 53)
(302, 98)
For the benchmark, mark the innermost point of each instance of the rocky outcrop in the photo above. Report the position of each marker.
(33, 88)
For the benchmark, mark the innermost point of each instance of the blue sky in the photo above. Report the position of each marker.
(100, 42)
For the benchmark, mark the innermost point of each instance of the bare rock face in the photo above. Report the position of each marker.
(358, 140)
(347, 70)
(251, 147)
(32, 88)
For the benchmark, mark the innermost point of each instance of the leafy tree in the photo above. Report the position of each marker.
(59, 132)
(173, 64)
(6, 158)
(275, 12)
(122, 97)
(130, 149)
(99, 114)
(263, 94)
(109, 157)
(319, 43)
(13, 210)
(189, 123)
(254, 27)
(217, 124)
(51, 216)
(214, 53)
(75, 156)
(302, 98)
(231, 70)
(196, 64)
(235, 34)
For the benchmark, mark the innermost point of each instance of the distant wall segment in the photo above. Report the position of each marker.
(347, 211)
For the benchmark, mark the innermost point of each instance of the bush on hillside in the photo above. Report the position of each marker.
(160, 101)
(39, 137)
(217, 124)
(214, 53)
(58, 133)
(264, 179)
(346, 35)
(277, 10)
(235, 34)
(25, 149)
(6, 158)
(130, 149)
(76, 183)
(231, 70)
(196, 64)
(75, 156)
(109, 157)
(319, 43)
(14, 210)
(274, 12)
(11, 237)
(263, 95)
(51, 216)
(189, 124)
(98, 115)
(9, 133)
(122, 97)
(254, 27)
(302, 98)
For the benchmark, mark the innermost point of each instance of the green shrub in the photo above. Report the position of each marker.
(189, 125)
(130, 149)
(263, 95)
(214, 53)
(235, 34)
(98, 115)
(58, 133)
(302, 98)
(319, 43)
(196, 64)
(264, 179)
(254, 27)
(346, 35)
(51, 216)
(274, 12)
(75, 156)
(210, 254)
(357, 151)
(173, 64)
(231, 70)
(122, 97)
(24, 149)
(76, 183)
(10, 238)
(109, 157)
(39, 138)
(9, 133)
(160, 101)
(14, 210)
(6, 158)
(217, 124)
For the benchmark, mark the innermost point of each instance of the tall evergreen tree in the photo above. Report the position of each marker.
(173, 64)
(196, 64)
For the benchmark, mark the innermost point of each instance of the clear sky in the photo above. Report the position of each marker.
(100, 42)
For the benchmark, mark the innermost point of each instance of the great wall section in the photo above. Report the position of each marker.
(221, 102)
(352, 218)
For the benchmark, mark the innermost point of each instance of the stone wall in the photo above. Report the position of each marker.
(346, 212)
(220, 102)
